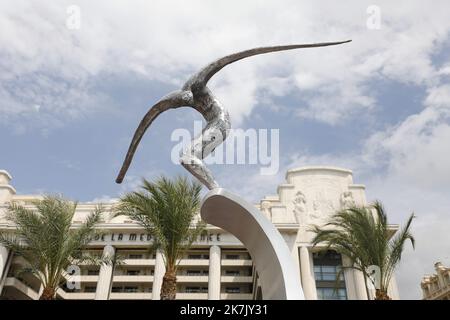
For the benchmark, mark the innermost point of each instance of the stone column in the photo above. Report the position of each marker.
(349, 279)
(4, 255)
(360, 287)
(393, 289)
(295, 255)
(214, 273)
(158, 275)
(308, 281)
(105, 276)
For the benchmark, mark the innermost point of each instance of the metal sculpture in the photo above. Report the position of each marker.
(196, 94)
(277, 274)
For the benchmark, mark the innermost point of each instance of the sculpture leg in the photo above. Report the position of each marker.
(192, 157)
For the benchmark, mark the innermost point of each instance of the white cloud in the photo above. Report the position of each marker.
(45, 63)
(105, 199)
(417, 150)
(407, 167)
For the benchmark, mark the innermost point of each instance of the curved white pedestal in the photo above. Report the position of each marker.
(277, 274)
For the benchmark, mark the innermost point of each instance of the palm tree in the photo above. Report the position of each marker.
(45, 239)
(167, 210)
(362, 234)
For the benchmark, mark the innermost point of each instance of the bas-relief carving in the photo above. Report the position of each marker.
(300, 207)
(319, 207)
(265, 209)
(323, 206)
(317, 203)
(347, 200)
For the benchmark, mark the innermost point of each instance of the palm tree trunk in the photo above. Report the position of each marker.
(169, 285)
(381, 295)
(48, 294)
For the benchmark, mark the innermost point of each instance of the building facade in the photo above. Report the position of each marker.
(217, 266)
(437, 286)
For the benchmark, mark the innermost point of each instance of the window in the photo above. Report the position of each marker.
(327, 267)
(232, 290)
(193, 272)
(90, 289)
(331, 294)
(135, 256)
(93, 272)
(196, 290)
(197, 256)
(128, 289)
(196, 272)
(232, 273)
(327, 273)
(133, 272)
(232, 256)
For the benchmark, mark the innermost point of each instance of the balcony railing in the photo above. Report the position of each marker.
(237, 279)
(236, 296)
(139, 278)
(131, 296)
(191, 296)
(185, 278)
(240, 262)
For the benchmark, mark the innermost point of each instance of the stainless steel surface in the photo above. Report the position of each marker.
(196, 94)
(278, 276)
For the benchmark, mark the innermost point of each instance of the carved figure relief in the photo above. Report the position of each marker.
(300, 207)
(347, 200)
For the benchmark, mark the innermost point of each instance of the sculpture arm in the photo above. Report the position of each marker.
(203, 76)
(172, 100)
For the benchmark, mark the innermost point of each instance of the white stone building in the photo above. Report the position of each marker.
(437, 286)
(218, 266)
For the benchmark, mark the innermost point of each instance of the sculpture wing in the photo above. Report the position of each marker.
(172, 100)
(202, 77)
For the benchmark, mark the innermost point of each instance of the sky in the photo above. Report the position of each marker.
(76, 77)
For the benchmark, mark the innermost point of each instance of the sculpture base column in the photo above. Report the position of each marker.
(106, 275)
(5, 261)
(214, 273)
(273, 261)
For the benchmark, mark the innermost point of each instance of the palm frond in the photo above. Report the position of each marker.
(361, 234)
(166, 209)
(43, 236)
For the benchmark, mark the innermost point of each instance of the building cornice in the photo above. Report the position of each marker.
(318, 168)
(6, 173)
(7, 186)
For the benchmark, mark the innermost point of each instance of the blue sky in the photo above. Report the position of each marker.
(72, 98)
